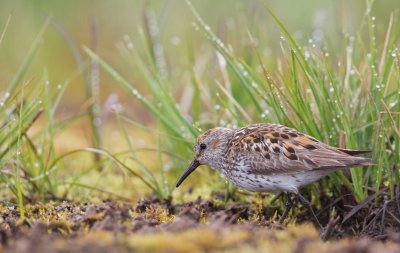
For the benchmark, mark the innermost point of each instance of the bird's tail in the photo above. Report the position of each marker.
(354, 152)
(360, 160)
(366, 161)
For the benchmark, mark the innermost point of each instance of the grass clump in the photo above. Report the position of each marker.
(32, 169)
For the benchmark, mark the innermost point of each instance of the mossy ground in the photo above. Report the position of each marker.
(152, 225)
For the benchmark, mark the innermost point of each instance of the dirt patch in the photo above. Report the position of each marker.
(200, 226)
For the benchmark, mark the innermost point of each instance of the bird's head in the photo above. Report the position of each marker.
(209, 150)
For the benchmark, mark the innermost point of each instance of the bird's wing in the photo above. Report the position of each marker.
(271, 148)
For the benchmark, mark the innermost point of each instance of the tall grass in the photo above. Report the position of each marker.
(91, 81)
(349, 99)
(17, 113)
(29, 161)
(30, 165)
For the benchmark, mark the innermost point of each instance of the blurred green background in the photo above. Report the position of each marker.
(115, 20)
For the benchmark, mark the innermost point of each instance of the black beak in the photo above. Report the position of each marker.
(193, 165)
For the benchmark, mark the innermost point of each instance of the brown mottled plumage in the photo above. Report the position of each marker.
(270, 157)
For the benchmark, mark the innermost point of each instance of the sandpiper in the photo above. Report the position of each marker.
(270, 158)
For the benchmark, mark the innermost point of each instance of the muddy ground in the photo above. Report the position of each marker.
(152, 225)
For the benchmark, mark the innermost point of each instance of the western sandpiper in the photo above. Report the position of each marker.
(270, 158)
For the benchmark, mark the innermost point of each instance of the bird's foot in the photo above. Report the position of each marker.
(288, 206)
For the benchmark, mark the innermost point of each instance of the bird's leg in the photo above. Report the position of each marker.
(305, 202)
(288, 206)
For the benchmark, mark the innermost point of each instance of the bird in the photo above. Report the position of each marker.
(271, 158)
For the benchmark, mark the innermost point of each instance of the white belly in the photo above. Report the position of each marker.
(273, 183)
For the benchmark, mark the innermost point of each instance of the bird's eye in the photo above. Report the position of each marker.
(203, 146)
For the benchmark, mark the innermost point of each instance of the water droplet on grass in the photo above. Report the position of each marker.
(175, 40)
(349, 50)
(167, 166)
(196, 27)
(306, 54)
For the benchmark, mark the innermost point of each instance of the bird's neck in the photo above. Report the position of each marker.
(221, 154)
